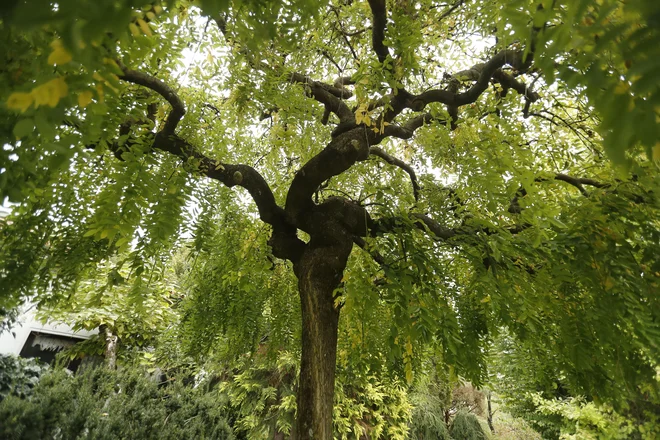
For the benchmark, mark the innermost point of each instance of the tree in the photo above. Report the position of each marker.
(440, 166)
(533, 387)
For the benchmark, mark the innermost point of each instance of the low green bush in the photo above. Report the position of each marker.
(18, 376)
(101, 404)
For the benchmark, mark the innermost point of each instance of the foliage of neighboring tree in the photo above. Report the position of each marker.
(8, 318)
(130, 315)
(420, 175)
(18, 376)
(103, 404)
(586, 420)
(536, 390)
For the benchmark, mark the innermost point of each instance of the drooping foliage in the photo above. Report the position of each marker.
(430, 400)
(465, 426)
(533, 387)
(234, 293)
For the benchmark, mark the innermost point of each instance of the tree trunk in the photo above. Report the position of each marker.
(110, 346)
(319, 272)
(490, 415)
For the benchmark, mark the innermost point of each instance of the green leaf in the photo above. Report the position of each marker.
(23, 128)
(44, 126)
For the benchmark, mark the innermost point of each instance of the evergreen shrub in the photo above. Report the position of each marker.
(466, 426)
(18, 376)
(100, 404)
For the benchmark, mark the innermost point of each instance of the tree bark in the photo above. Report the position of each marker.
(490, 415)
(110, 351)
(319, 272)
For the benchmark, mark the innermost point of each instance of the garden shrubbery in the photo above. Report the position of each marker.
(18, 375)
(102, 404)
(256, 402)
(466, 426)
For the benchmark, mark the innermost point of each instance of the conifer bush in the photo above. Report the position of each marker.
(466, 426)
(18, 376)
(100, 404)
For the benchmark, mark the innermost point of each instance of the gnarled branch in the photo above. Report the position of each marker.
(158, 86)
(330, 96)
(229, 174)
(485, 72)
(338, 156)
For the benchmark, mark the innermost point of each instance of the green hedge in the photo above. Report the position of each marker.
(100, 404)
(18, 376)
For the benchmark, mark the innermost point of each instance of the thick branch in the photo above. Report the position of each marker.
(328, 95)
(481, 73)
(377, 257)
(438, 231)
(425, 222)
(398, 163)
(285, 243)
(378, 31)
(577, 182)
(420, 221)
(407, 130)
(509, 82)
(158, 86)
(338, 156)
(231, 175)
(485, 71)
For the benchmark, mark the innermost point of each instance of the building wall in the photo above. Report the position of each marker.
(26, 324)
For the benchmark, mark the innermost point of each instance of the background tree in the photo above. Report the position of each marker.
(436, 165)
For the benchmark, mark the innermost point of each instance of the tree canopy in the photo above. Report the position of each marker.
(415, 178)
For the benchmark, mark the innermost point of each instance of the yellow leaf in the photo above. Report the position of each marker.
(50, 93)
(84, 98)
(99, 92)
(144, 26)
(383, 124)
(656, 152)
(409, 347)
(621, 88)
(59, 55)
(20, 101)
(112, 63)
(134, 29)
(150, 15)
(362, 115)
(409, 372)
